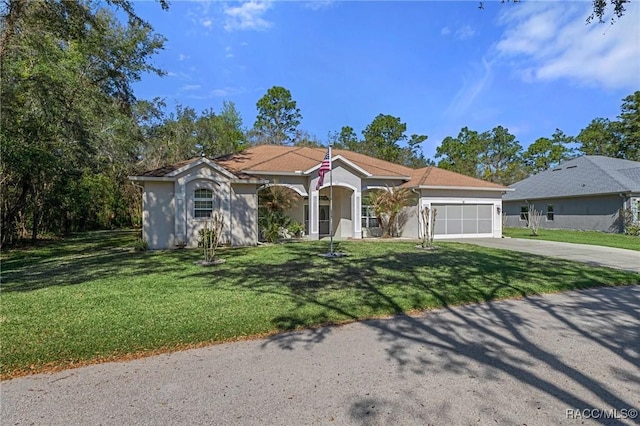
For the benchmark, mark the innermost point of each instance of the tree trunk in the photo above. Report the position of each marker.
(10, 215)
(15, 10)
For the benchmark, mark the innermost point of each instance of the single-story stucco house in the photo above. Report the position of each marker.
(586, 193)
(178, 199)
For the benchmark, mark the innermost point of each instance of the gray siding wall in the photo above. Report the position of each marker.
(597, 213)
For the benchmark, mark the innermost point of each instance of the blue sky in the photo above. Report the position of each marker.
(532, 66)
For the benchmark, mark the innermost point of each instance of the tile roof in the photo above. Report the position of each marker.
(276, 158)
(433, 176)
(165, 170)
(287, 159)
(586, 175)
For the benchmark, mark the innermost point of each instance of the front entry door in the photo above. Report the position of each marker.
(323, 221)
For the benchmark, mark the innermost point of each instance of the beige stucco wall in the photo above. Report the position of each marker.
(221, 203)
(343, 175)
(168, 209)
(158, 214)
(244, 215)
(408, 220)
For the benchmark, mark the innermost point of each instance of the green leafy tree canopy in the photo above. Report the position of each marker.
(278, 118)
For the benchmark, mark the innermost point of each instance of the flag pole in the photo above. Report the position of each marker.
(330, 199)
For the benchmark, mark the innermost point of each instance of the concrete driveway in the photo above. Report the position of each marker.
(569, 358)
(628, 260)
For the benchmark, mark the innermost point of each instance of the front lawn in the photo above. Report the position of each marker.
(89, 298)
(595, 238)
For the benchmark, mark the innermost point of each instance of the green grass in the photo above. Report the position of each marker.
(595, 238)
(89, 298)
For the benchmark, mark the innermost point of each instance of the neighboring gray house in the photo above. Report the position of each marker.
(178, 199)
(586, 193)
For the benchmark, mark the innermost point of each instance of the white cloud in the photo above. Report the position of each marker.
(318, 4)
(461, 33)
(247, 16)
(465, 32)
(183, 57)
(226, 91)
(551, 41)
(472, 87)
(202, 14)
(191, 87)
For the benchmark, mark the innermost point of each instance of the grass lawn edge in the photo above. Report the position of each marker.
(55, 367)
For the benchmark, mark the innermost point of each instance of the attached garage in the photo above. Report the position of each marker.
(464, 220)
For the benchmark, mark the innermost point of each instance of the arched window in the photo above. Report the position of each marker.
(202, 203)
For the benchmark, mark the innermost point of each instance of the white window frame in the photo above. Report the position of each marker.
(635, 209)
(200, 199)
(368, 216)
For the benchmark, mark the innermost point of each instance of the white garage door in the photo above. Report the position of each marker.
(464, 220)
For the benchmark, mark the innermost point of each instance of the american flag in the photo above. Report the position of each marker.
(324, 168)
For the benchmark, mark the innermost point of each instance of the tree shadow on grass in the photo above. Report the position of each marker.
(390, 279)
(87, 257)
(378, 282)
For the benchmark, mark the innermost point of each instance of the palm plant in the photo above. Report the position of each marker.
(273, 202)
(387, 205)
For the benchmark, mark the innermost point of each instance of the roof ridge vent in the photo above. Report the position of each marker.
(572, 167)
(556, 169)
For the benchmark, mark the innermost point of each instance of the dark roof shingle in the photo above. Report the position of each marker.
(582, 176)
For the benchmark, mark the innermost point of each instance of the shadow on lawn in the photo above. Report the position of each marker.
(386, 279)
(86, 257)
(394, 282)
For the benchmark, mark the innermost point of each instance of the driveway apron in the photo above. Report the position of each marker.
(628, 260)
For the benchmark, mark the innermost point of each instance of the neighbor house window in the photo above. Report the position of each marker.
(549, 211)
(369, 219)
(635, 209)
(524, 213)
(202, 203)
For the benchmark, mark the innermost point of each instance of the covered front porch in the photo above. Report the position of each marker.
(321, 219)
(319, 216)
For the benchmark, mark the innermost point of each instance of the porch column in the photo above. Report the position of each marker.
(356, 206)
(314, 210)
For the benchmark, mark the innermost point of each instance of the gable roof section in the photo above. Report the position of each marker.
(287, 159)
(276, 159)
(165, 170)
(582, 176)
(169, 172)
(432, 177)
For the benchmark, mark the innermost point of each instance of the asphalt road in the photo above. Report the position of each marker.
(538, 361)
(611, 257)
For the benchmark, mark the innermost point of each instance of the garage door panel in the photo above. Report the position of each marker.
(454, 227)
(463, 219)
(485, 226)
(470, 226)
(470, 211)
(485, 211)
(454, 212)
